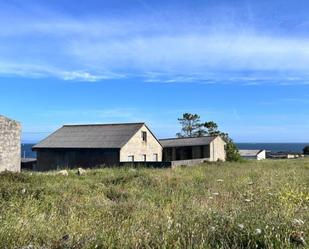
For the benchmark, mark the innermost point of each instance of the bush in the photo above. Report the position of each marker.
(306, 150)
(232, 153)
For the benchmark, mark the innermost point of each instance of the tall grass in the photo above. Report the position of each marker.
(223, 205)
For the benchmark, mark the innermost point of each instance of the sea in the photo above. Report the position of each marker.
(26, 151)
(273, 147)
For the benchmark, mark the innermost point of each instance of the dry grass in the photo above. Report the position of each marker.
(227, 205)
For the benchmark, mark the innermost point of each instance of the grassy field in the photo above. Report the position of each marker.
(223, 205)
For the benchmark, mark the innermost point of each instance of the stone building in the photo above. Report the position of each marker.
(10, 144)
(209, 148)
(97, 145)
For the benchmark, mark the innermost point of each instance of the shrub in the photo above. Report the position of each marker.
(232, 153)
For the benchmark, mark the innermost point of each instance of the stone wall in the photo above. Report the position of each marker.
(10, 145)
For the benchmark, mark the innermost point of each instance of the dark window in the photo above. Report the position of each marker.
(144, 136)
(144, 158)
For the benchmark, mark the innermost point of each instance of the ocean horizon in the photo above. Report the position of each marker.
(26, 151)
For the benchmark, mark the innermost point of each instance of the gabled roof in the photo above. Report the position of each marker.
(188, 141)
(97, 136)
(250, 153)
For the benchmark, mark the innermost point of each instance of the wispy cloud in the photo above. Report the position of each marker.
(94, 48)
(39, 71)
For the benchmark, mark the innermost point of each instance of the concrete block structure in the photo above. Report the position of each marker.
(10, 145)
(208, 148)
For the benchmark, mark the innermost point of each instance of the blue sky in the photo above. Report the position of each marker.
(241, 63)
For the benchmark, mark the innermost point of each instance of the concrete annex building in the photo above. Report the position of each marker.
(111, 144)
(10, 144)
(210, 148)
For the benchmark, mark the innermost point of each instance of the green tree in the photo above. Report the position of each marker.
(306, 150)
(191, 126)
(232, 153)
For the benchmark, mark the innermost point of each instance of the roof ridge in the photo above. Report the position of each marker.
(106, 124)
(175, 138)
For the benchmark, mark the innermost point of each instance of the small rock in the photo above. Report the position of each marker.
(63, 172)
(216, 194)
(241, 226)
(23, 191)
(250, 183)
(298, 222)
(248, 200)
(219, 180)
(81, 171)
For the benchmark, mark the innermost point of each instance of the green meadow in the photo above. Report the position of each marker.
(220, 205)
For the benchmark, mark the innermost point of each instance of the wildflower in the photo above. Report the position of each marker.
(219, 180)
(258, 231)
(23, 191)
(241, 226)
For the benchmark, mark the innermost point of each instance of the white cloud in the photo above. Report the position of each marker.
(94, 49)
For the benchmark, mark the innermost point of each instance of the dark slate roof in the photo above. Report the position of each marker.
(90, 136)
(180, 142)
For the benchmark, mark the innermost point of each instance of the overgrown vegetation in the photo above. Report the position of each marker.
(221, 205)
